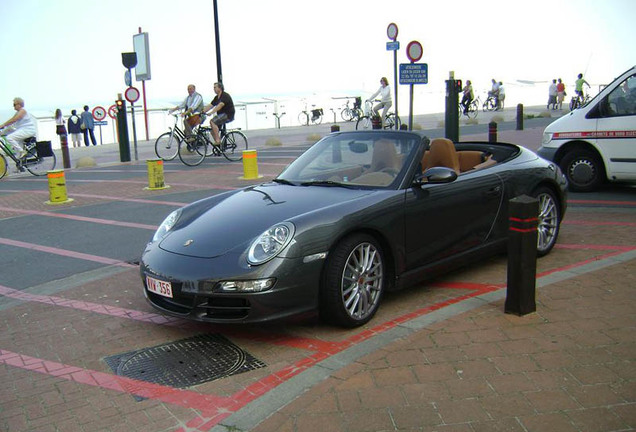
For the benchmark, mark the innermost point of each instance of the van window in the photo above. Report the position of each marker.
(622, 100)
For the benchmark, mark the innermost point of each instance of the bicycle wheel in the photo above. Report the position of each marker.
(392, 122)
(37, 165)
(167, 146)
(573, 104)
(489, 105)
(232, 146)
(3, 165)
(192, 150)
(473, 110)
(346, 114)
(303, 118)
(364, 123)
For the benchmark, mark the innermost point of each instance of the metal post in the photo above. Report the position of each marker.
(122, 134)
(492, 132)
(519, 116)
(410, 109)
(132, 112)
(452, 110)
(219, 72)
(395, 83)
(522, 255)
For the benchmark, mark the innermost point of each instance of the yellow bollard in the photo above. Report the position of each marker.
(250, 165)
(155, 175)
(57, 188)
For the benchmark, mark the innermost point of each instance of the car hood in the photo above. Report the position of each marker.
(215, 226)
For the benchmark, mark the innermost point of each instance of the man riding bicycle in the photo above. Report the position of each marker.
(578, 86)
(18, 128)
(223, 107)
(191, 104)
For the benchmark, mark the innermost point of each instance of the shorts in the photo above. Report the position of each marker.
(221, 119)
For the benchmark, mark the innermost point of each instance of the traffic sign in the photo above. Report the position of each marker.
(414, 73)
(99, 113)
(131, 94)
(414, 51)
(112, 111)
(393, 46)
(392, 31)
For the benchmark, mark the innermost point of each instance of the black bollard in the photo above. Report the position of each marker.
(492, 132)
(335, 128)
(522, 255)
(66, 159)
(519, 116)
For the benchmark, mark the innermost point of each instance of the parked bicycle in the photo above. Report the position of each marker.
(195, 148)
(38, 160)
(578, 101)
(366, 121)
(350, 114)
(314, 115)
(167, 145)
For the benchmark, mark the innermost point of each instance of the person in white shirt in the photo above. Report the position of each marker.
(191, 104)
(501, 96)
(385, 99)
(18, 128)
(552, 95)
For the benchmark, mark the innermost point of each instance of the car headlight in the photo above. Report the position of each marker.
(166, 225)
(270, 243)
(547, 137)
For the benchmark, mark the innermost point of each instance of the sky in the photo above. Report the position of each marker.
(68, 53)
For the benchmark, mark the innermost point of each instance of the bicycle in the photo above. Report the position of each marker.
(490, 104)
(578, 101)
(366, 121)
(472, 109)
(351, 114)
(38, 160)
(193, 151)
(316, 116)
(167, 144)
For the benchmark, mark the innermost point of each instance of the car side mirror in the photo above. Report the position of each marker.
(435, 175)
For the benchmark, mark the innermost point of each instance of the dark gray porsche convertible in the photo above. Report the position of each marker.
(359, 213)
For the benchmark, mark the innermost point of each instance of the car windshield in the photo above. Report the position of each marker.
(354, 159)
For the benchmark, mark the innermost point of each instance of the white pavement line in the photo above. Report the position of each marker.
(255, 412)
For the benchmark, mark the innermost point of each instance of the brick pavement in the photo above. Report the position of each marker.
(464, 366)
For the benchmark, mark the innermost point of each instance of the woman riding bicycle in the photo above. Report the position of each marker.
(18, 128)
(385, 100)
(468, 96)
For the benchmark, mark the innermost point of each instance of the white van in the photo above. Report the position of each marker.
(597, 142)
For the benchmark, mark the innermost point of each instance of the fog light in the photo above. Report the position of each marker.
(257, 285)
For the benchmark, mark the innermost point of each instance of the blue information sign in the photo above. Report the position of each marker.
(101, 123)
(414, 73)
(393, 46)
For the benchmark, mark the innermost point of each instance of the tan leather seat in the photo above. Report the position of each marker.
(442, 153)
(469, 159)
(384, 156)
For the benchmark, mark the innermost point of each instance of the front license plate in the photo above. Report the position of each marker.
(159, 287)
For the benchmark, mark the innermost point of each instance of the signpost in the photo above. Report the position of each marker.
(413, 73)
(99, 114)
(132, 95)
(394, 45)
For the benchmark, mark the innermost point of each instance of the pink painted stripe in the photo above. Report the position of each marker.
(623, 203)
(598, 223)
(80, 218)
(66, 253)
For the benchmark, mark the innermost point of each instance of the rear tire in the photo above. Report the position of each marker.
(3, 165)
(39, 166)
(192, 150)
(549, 220)
(353, 281)
(234, 143)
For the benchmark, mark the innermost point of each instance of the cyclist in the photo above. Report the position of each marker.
(468, 96)
(385, 99)
(223, 107)
(192, 103)
(578, 85)
(18, 128)
(494, 92)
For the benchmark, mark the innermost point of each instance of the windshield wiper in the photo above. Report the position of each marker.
(283, 181)
(326, 183)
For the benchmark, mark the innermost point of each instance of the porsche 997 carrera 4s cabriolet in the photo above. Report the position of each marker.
(357, 214)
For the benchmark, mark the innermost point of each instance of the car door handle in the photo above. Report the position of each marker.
(495, 191)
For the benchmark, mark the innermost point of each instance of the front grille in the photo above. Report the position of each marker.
(225, 307)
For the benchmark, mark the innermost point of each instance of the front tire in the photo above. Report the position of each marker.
(353, 282)
(583, 169)
(234, 143)
(167, 146)
(3, 165)
(192, 150)
(549, 220)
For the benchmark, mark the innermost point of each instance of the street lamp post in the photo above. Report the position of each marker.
(219, 72)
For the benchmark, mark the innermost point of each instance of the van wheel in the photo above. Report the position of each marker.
(583, 169)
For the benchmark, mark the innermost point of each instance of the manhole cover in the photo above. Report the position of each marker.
(186, 362)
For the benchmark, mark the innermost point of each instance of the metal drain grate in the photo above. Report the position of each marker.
(186, 362)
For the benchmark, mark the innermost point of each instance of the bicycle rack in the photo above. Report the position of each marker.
(278, 119)
(334, 115)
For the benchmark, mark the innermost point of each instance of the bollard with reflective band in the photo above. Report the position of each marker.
(522, 255)
(57, 188)
(492, 132)
(250, 165)
(155, 175)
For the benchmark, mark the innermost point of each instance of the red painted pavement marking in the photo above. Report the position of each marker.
(598, 223)
(66, 253)
(623, 203)
(80, 218)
